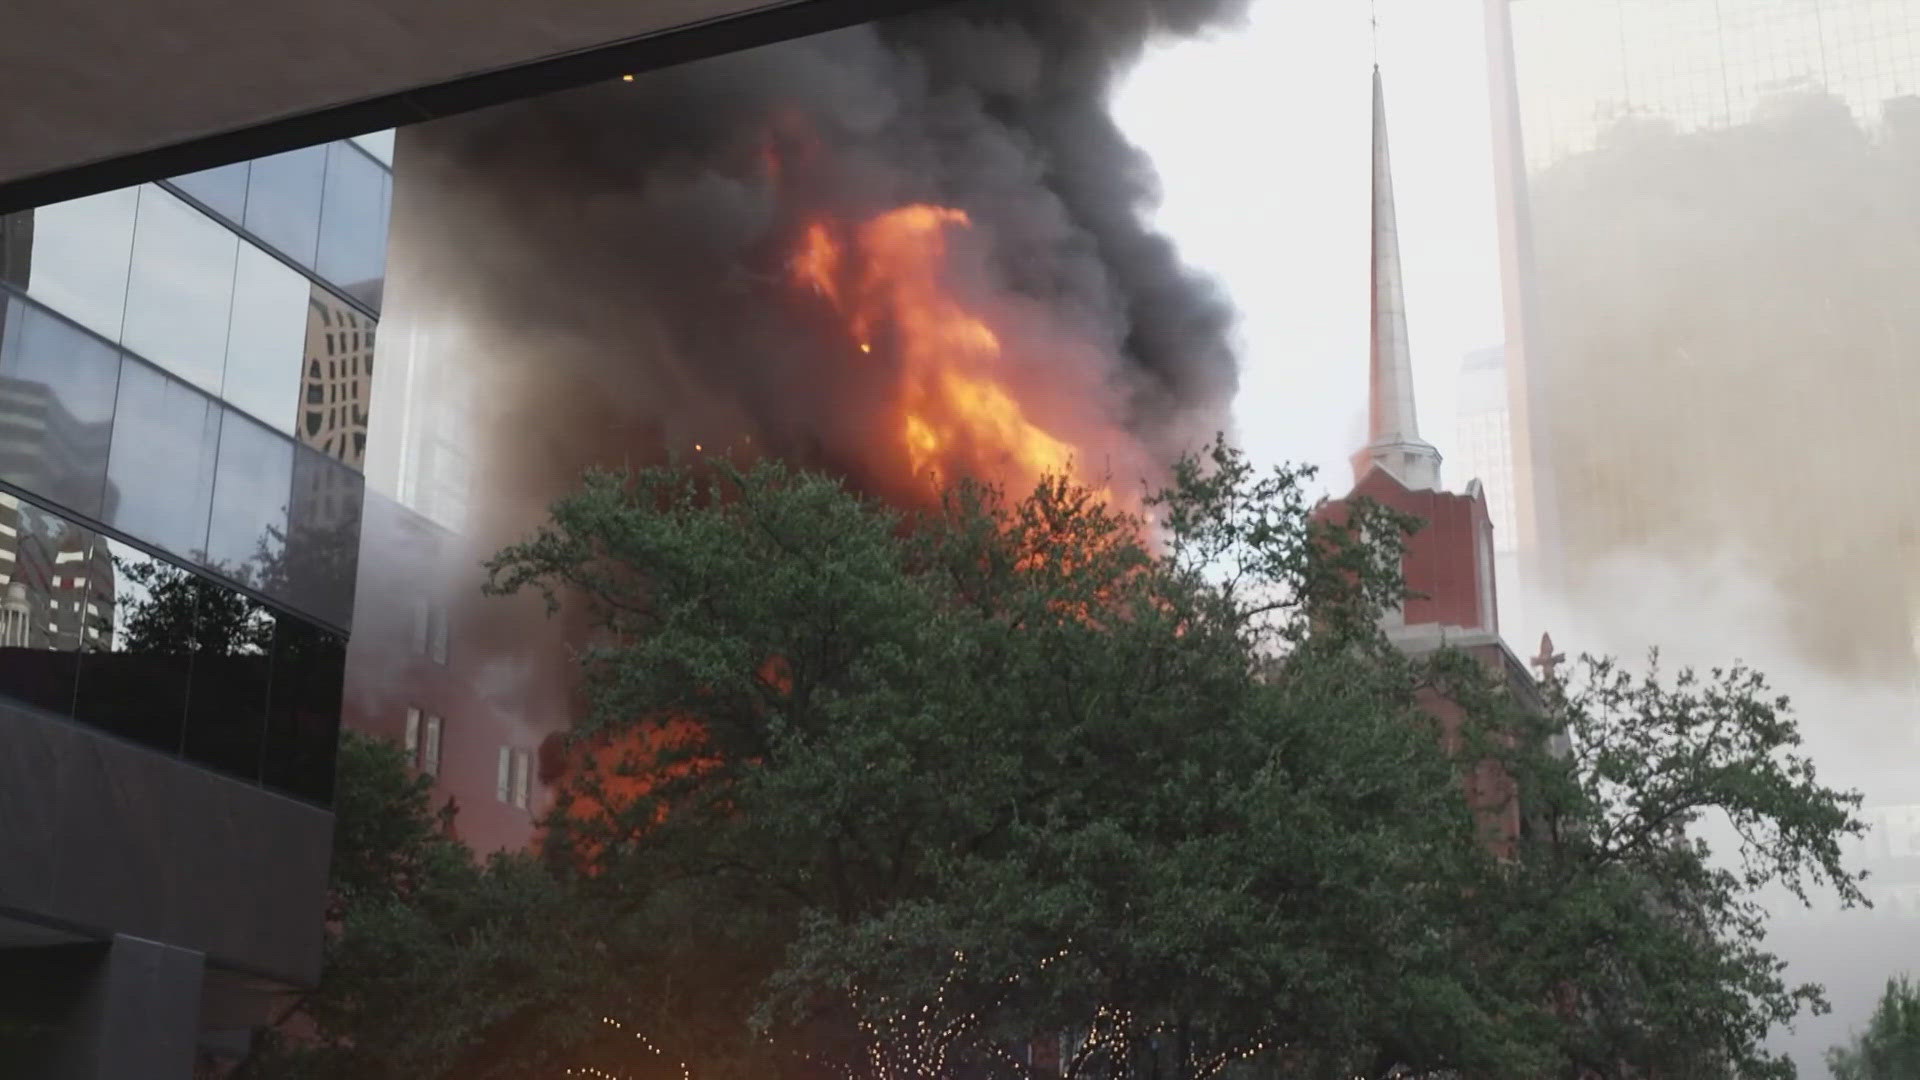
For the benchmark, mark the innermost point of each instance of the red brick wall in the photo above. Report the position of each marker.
(1442, 564)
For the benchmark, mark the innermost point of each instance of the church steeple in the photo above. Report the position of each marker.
(1393, 431)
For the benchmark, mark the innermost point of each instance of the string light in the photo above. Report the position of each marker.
(918, 1043)
(601, 1074)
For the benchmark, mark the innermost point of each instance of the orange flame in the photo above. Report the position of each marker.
(956, 409)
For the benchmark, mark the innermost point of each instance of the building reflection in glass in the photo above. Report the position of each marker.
(136, 645)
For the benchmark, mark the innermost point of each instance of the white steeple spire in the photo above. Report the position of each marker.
(1393, 432)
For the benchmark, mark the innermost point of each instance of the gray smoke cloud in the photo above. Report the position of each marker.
(1727, 362)
(616, 256)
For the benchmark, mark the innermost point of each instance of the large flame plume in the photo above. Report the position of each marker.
(958, 400)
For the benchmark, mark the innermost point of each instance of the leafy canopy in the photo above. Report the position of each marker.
(1023, 787)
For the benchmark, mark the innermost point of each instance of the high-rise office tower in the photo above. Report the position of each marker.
(1708, 249)
(1483, 438)
(1708, 243)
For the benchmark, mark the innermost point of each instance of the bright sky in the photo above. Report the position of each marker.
(1262, 142)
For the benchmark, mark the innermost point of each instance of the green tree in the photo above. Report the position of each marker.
(171, 610)
(862, 793)
(1890, 1047)
(436, 964)
(936, 784)
(1654, 943)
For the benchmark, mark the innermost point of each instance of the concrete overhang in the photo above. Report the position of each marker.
(101, 94)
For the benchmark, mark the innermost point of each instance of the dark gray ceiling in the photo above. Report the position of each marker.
(104, 93)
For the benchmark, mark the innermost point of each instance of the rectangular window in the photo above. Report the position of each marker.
(503, 778)
(430, 747)
(166, 436)
(267, 340)
(283, 201)
(437, 626)
(253, 476)
(421, 614)
(180, 289)
(522, 777)
(81, 250)
(413, 735)
(66, 374)
(352, 251)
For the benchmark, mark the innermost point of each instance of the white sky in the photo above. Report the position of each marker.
(1261, 136)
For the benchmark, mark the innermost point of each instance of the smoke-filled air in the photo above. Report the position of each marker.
(907, 252)
(1727, 379)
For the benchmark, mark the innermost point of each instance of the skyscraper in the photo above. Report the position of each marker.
(1484, 437)
(1708, 251)
(1708, 334)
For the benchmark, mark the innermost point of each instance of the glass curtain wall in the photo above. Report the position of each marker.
(185, 387)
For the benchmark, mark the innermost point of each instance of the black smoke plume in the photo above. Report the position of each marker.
(613, 258)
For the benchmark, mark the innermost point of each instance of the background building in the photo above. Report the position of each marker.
(1483, 443)
(1709, 247)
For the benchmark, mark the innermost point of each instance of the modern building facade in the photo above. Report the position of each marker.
(189, 373)
(1484, 439)
(177, 574)
(1587, 65)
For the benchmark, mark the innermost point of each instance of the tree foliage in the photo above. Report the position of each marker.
(1890, 1047)
(171, 610)
(976, 776)
(436, 964)
(1022, 787)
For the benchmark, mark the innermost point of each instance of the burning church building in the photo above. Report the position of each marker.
(903, 252)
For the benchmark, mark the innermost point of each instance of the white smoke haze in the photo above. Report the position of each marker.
(1728, 358)
(1860, 733)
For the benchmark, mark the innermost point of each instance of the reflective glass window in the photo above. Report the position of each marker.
(303, 712)
(223, 189)
(353, 224)
(283, 201)
(337, 388)
(57, 387)
(323, 539)
(160, 469)
(55, 598)
(180, 289)
(379, 144)
(252, 483)
(267, 339)
(79, 256)
(232, 675)
(133, 681)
